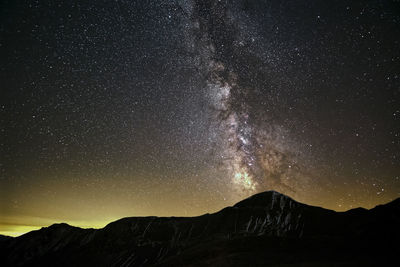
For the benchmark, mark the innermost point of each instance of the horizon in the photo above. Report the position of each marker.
(13, 233)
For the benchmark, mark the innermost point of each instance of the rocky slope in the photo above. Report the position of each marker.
(266, 229)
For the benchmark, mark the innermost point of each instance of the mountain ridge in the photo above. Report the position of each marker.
(234, 205)
(268, 220)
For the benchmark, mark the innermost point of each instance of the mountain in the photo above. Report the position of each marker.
(4, 238)
(267, 229)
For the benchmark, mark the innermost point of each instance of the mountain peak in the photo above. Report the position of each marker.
(268, 199)
(60, 226)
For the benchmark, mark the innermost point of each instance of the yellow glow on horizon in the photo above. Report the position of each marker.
(14, 230)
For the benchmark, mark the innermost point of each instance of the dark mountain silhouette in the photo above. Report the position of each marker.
(268, 229)
(4, 238)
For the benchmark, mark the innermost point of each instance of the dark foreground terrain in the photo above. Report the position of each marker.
(268, 229)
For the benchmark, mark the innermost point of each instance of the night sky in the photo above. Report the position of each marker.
(182, 107)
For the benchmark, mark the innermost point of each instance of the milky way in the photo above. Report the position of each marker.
(253, 148)
(136, 108)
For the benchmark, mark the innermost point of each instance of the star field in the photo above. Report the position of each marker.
(135, 108)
